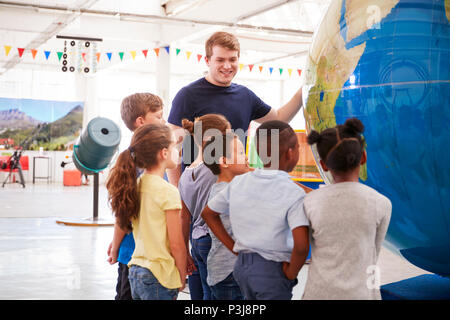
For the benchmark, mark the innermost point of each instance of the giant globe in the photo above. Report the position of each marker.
(387, 62)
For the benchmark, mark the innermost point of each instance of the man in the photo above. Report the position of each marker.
(215, 93)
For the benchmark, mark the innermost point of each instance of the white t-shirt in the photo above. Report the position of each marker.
(348, 223)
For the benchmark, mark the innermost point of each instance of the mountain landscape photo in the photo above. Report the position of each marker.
(31, 134)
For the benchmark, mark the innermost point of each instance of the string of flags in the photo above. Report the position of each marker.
(156, 51)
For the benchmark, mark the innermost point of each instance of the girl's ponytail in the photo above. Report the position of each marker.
(314, 137)
(188, 125)
(122, 190)
(340, 147)
(200, 126)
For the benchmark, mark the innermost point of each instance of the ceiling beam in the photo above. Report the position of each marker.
(265, 9)
(176, 7)
(156, 19)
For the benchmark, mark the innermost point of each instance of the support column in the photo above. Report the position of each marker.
(163, 78)
(86, 88)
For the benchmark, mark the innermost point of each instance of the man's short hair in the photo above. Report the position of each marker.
(138, 105)
(223, 39)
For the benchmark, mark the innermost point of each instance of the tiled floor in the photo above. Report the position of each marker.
(40, 259)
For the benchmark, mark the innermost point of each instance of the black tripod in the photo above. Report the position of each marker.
(14, 163)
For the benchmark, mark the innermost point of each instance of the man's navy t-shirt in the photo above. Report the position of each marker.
(237, 103)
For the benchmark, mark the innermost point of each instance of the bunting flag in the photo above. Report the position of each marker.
(7, 50)
(20, 50)
(133, 53)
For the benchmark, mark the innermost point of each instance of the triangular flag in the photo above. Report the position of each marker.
(250, 66)
(270, 69)
(188, 53)
(241, 66)
(83, 54)
(281, 71)
(157, 51)
(33, 53)
(178, 51)
(299, 72)
(145, 53)
(109, 54)
(290, 72)
(47, 54)
(167, 49)
(21, 50)
(199, 56)
(59, 55)
(98, 56)
(7, 49)
(133, 54)
(121, 56)
(260, 68)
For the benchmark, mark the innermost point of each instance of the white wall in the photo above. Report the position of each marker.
(104, 92)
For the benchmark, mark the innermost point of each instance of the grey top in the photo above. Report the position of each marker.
(220, 260)
(264, 207)
(348, 223)
(194, 186)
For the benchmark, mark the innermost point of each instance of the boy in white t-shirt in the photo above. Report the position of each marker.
(267, 219)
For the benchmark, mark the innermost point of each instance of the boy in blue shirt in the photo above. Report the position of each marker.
(136, 110)
(267, 218)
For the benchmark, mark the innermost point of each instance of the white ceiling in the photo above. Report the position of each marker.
(268, 30)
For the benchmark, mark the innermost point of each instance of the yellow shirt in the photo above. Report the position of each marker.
(152, 249)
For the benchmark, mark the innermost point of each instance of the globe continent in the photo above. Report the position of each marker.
(387, 62)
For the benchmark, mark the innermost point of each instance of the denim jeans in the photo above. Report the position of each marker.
(261, 279)
(195, 283)
(200, 250)
(227, 289)
(144, 286)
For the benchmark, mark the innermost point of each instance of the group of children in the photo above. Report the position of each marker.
(249, 229)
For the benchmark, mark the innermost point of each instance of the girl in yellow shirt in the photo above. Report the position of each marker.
(150, 206)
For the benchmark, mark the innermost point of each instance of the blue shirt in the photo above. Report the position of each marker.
(264, 206)
(237, 103)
